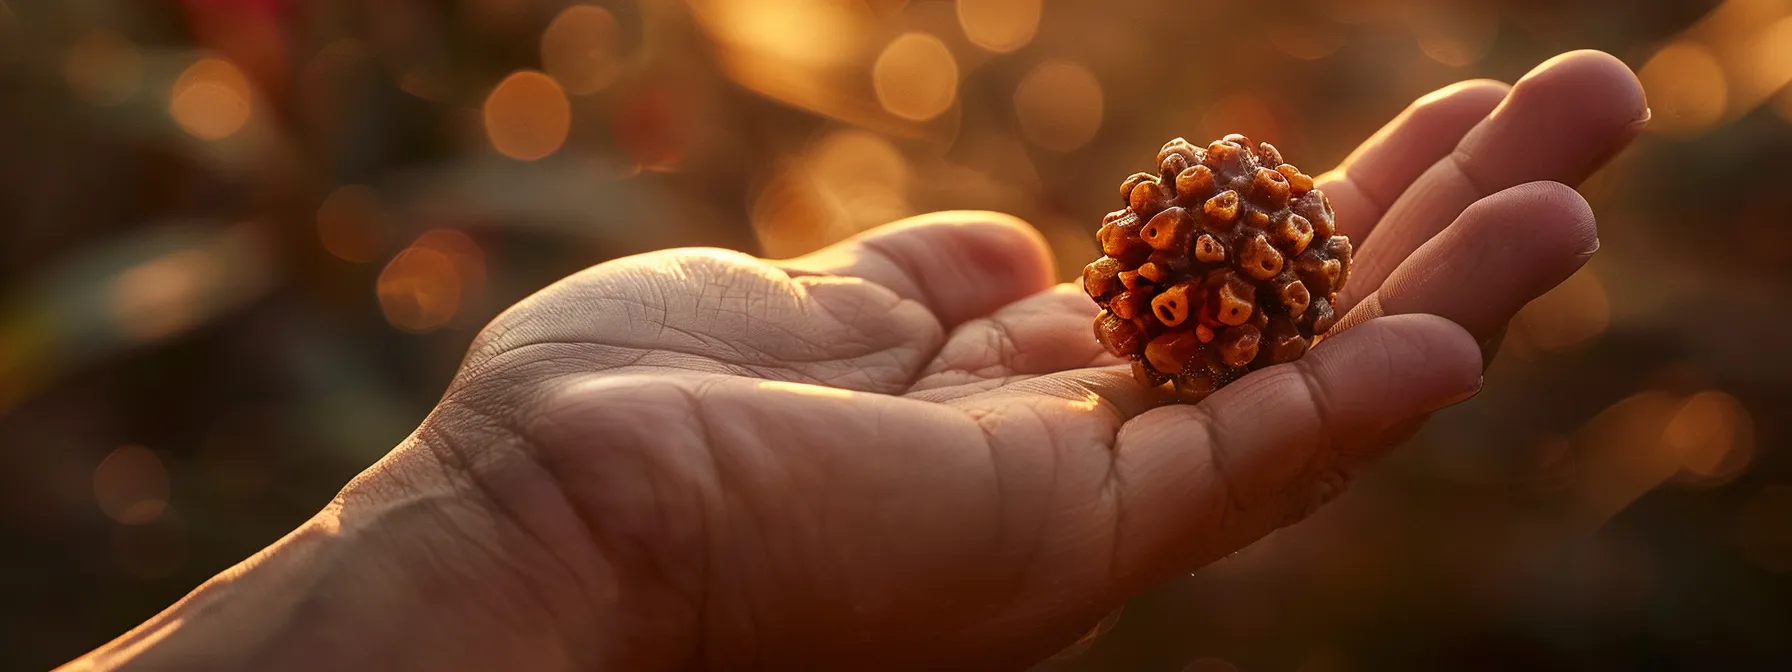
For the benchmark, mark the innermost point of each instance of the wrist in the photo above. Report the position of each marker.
(406, 569)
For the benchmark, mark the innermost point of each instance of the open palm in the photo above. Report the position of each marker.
(908, 449)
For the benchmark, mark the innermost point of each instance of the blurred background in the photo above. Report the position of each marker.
(244, 243)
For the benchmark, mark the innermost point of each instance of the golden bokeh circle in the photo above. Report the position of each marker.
(211, 99)
(582, 49)
(915, 77)
(527, 117)
(1000, 26)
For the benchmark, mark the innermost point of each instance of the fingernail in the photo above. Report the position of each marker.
(1465, 395)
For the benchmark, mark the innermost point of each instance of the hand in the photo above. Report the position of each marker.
(907, 450)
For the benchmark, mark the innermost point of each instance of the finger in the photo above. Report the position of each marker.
(960, 265)
(1367, 182)
(1044, 333)
(1197, 482)
(1562, 121)
(1504, 251)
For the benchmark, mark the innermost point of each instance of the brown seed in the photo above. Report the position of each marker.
(1121, 337)
(1300, 182)
(1171, 351)
(1172, 306)
(1228, 260)
(1102, 277)
(1208, 249)
(1132, 182)
(1169, 230)
(1238, 345)
(1194, 183)
(1259, 259)
(1222, 208)
(1270, 187)
(1235, 299)
(1292, 233)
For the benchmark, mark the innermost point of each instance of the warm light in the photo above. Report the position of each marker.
(352, 224)
(1240, 113)
(1686, 89)
(131, 485)
(804, 389)
(865, 174)
(1770, 64)
(527, 117)
(1713, 435)
(1764, 528)
(582, 49)
(464, 253)
(1059, 105)
(916, 77)
(1000, 26)
(163, 296)
(419, 290)
(103, 68)
(211, 99)
(793, 216)
(804, 33)
(1573, 313)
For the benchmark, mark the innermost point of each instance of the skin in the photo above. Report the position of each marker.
(904, 450)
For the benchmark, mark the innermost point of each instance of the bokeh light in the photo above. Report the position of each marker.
(916, 77)
(1000, 26)
(1573, 313)
(582, 49)
(211, 99)
(131, 485)
(1713, 434)
(353, 224)
(163, 296)
(103, 68)
(1764, 528)
(1686, 88)
(419, 290)
(1059, 105)
(846, 181)
(527, 117)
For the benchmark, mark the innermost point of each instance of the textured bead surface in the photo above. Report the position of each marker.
(1224, 260)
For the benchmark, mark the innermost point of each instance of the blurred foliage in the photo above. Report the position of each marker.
(246, 242)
